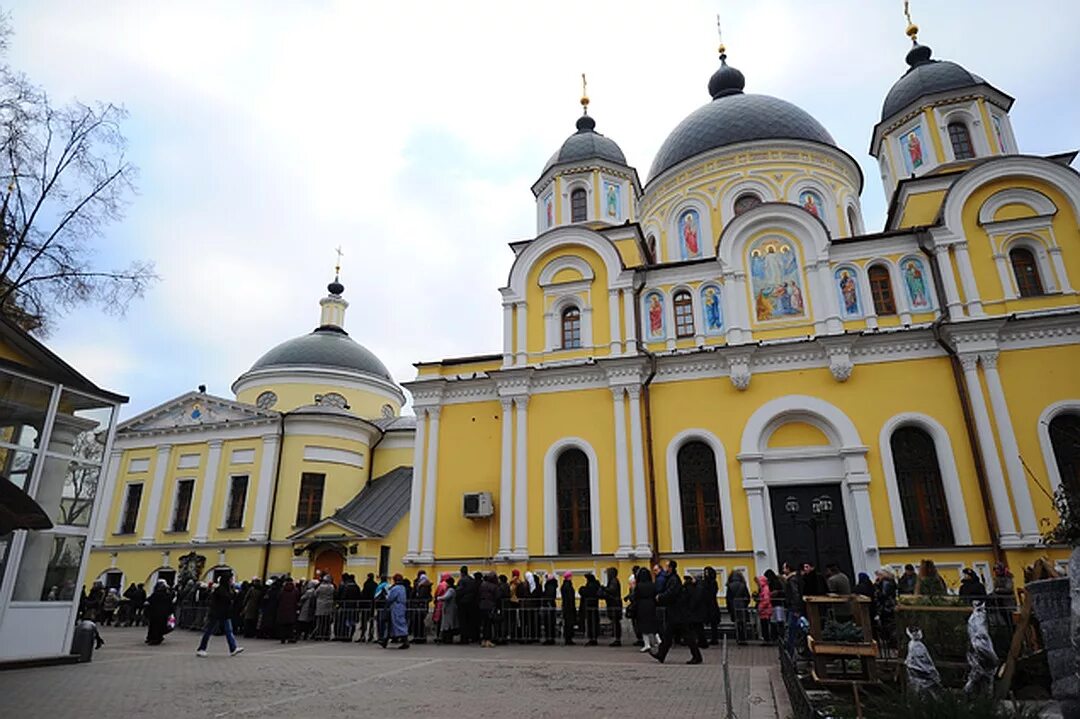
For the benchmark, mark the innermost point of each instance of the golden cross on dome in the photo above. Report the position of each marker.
(337, 267)
(720, 35)
(584, 94)
(912, 29)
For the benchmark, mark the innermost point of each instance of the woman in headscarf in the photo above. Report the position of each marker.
(448, 610)
(436, 614)
(645, 609)
(158, 608)
(864, 586)
(287, 605)
(396, 603)
(306, 618)
(421, 600)
(764, 607)
(930, 582)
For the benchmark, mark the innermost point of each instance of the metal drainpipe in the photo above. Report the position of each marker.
(273, 496)
(646, 401)
(922, 237)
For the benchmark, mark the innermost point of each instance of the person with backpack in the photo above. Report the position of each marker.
(221, 600)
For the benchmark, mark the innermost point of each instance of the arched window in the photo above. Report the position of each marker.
(572, 502)
(579, 206)
(746, 201)
(882, 291)
(922, 495)
(684, 314)
(1026, 272)
(961, 141)
(852, 221)
(571, 328)
(699, 497)
(1065, 439)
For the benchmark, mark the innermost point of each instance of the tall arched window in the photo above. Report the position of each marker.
(699, 497)
(961, 141)
(684, 314)
(571, 328)
(922, 495)
(579, 206)
(1026, 272)
(1065, 439)
(852, 221)
(882, 290)
(572, 502)
(746, 201)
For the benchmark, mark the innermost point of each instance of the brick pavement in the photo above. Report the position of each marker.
(317, 679)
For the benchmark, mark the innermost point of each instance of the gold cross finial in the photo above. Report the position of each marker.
(912, 29)
(584, 94)
(337, 267)
(720, 35)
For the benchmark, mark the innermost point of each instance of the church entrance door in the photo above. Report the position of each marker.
(805, 538)
(331, 562)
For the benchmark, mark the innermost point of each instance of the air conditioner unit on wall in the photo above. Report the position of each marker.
(477, 505)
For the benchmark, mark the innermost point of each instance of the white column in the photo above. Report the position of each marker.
(522, 333)
(622, 481)
(206, 497)
(1021, 492)
(417, 493)
(615, 341)
(637, 472)
(427, 553)
(948, 281)
(267, 470)
(833, 324)
(508, 333)
(967, 280)
(506, 481)
(112, 471)
(988, 449)
(757, 507)
(1059, 270)
(521, 481)
(857, 474)
(631, 325)
(1005, 275)
(153, 509)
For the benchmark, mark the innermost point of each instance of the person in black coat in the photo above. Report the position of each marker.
(813, 584)
(367, 605)
(159, 606)
(590, 608)
(468, 611)
(738, 605)
(612, 594)
(696, 608)
(221, 615)
(971, 589)
(644, 599)
(569, 608)
(673, 600)
(710, 588)
(548, 594)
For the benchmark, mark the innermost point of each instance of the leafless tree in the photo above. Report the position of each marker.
(65, 178)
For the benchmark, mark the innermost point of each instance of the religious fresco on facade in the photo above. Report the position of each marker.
(549, 211)
(690, 234)
(711, 309)
(915, 282)
(911, 144)
(654, 316)
(612, 201)
(812, 203)
(848, 286)
(997, 131)
(775, 280)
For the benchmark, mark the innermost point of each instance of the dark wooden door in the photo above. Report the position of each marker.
(795, 540)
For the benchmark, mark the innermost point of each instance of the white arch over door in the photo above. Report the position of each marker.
(674, 498)
(950, 477)
(844, 461)
(551, 513)
(1065, 406)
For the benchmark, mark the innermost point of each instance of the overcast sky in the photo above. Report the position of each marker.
(269, 133)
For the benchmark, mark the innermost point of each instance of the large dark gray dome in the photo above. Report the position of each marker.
(736, 117)
(925, 77)
(586, 144)
(325, 347)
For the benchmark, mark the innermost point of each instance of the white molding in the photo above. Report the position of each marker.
(148, 439)
(566, 262)
(317, 375)
(333, 455)
(138, 465)
(1036, 201)
(516, 288)
(244, 455)
(551, 514)
(1065, 406)
(727, 517)
(741, 186)
(950, 477)
(352, 429)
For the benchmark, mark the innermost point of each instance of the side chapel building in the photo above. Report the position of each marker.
(721, 365)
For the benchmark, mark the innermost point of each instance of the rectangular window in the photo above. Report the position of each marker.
(309, 508)
(131, 509)
(684, 315)
(185, 488)
(234, 518)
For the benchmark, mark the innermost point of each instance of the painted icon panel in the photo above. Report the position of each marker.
(690, 234)
(812, 203)
(915, 283)
(612, 201)
(654, 316)
(911, 144)
(712, 310)
(775, 280)
(848, 286)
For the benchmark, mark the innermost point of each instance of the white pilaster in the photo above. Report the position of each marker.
(521, 481)
(972, 301)
(1005, 275)
(948, 281)
(734, 315)
(427, 552)
(508, 333)
(157, 491)
(631, 325)
(857, 474)
(417, 493)
(622, 481)
(206, 497)
(1021, 492)
(522, 334)
(642, 547)
(112, 471)
(1059, 270)
(615, 342)
(506, 482)
(758, 510)
(261, 522)
(988, 450)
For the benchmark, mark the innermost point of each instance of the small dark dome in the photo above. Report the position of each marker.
(586, 144)
(335, 287)
(726, 81)
(925, 77)
(325, 347)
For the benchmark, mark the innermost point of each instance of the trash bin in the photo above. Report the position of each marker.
(83, 642)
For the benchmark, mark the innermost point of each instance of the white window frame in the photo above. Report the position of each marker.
(175, 499)
(228, 501)
(123, 509)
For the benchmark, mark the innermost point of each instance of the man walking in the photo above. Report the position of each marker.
(674, 601)
(221, 600)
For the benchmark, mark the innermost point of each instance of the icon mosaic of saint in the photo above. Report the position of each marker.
(811, 203)
(775, 281)
(656, 316)
(916, 283)
(689, 228)
(849, 292)
(714, 319)
(549, 212)
(912, 146)
(612, 201)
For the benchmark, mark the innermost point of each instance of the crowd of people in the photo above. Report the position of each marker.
(490, 609)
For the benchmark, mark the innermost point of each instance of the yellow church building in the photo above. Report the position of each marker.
(720, 365)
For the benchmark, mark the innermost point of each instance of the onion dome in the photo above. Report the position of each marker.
(733, 117)
(586, 144)
(925, 76)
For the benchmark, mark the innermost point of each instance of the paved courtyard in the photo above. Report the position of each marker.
(320, 679)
